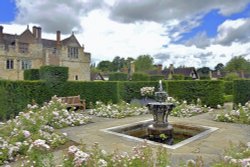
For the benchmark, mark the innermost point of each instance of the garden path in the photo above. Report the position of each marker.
(209, 147)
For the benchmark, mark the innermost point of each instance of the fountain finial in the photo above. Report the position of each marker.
(160, 88)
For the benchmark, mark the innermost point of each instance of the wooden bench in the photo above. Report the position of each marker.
(74, 101)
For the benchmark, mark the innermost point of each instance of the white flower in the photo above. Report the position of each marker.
(26, 133)
(102, 163)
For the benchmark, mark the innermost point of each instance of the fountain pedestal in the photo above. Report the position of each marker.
(160, 110)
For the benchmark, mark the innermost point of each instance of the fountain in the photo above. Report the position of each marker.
(160, 129)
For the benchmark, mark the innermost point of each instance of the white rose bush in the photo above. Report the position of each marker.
(239, 115)
(120, 110)
(34, 129)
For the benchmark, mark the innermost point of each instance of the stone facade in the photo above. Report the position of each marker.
(29, 50)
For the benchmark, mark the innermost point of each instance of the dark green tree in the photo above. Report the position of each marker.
(104, 66)
(219, 67)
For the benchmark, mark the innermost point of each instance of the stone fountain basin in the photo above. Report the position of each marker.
(183, 133)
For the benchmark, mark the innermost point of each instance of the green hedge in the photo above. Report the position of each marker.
(118, 76)
(178, 77)
(210, 92)
(140, 77)
(54, 73)
(241, 91)
(228, 87)
(31, 74)
(131, 89)
(156, 77)
(15, 95)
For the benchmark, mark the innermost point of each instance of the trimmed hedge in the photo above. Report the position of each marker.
(156, 77)
(31, 74)
(241, 91)
(15, 95)
(210, 92)
(228, 87)
(118, 76)
(140, 77)
(178, 77)
(131, 89)
(54, 73)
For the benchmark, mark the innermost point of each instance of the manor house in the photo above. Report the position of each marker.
(30, 51)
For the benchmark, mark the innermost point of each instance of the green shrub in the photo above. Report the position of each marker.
(241, 91)
(231, 76)
(177, 77)
(118, 76)
(228, 98)
(156, 77)
(188, 78)
(210, 92)
(54, 73)
(140, 77)
(228, 87)
(205, 77)
(31, 74)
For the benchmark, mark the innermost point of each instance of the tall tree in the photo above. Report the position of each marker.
(219, 67)
(238, 64)
(144, 63)
(105, 66)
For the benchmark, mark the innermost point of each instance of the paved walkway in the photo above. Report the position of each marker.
(210, 147)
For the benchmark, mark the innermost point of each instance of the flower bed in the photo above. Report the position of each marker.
(120, 110)
(187, 110)
(34, 128)
(236, 156)
(240, 115)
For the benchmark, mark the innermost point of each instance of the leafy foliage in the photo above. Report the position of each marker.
(144, 63)
(140, 77)
(31, 74)
(54, 73)
(118, 76)
(210, 92)
(241, 91)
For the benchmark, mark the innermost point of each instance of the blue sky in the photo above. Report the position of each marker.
(7, 11)
(199, 33)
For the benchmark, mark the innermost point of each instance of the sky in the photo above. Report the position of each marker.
(193, 33)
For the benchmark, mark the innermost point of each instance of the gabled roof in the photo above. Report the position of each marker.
(96, 76)
(27, 36)
(71, 39)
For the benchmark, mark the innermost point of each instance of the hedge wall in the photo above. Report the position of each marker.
(228, 87)
(31, 74)
(140, 77)
(156, 77)
(241, 91)
(131, 89)
(118, 76)
(15, 95)
(210, 92)
(54, 73)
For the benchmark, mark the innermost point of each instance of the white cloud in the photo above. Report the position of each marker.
(233, 31)
(110, 28)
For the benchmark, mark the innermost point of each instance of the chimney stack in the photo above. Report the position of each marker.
(35, 32)
(39, 33)
(159, 68)
(58, 38)
(1, 31)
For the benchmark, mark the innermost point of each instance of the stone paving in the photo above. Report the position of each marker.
(210, 147)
